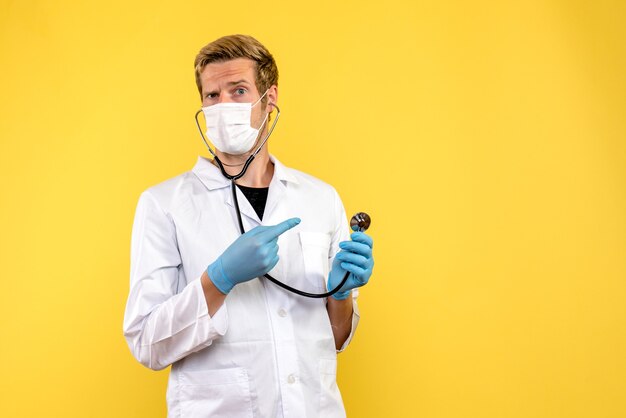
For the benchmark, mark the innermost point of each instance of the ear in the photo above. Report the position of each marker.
(272, 97)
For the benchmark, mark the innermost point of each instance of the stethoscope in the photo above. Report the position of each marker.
(359, 222)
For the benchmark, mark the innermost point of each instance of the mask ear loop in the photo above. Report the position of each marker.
(250, 158)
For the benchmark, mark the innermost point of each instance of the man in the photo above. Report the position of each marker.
(239, 345)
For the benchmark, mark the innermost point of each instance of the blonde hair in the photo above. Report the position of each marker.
(239, 46)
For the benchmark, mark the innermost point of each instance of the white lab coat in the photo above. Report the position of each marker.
(266, 352)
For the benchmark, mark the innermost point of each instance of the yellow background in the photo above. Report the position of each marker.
(487, 139)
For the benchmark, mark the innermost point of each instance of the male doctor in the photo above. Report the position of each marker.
(239, 345)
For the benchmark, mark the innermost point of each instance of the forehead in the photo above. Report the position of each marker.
(218, 74)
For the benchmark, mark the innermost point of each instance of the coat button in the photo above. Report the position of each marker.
(291, 379)
(282, 313)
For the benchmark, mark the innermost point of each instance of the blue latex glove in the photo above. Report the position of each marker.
(356, 257)
(251, 255)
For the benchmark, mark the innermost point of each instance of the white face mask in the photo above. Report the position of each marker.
(228, 126)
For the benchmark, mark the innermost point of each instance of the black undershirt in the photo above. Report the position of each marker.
(257, 196)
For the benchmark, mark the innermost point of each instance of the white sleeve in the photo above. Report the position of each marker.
(341, 233)
(161, 323)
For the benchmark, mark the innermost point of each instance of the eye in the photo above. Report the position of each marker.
(240, 91)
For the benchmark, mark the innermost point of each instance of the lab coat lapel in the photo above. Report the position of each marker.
(209, 175)
(244, 206)
(278, 188)
(274, 195)
(212, 178)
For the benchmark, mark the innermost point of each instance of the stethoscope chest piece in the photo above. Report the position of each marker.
(361, 221)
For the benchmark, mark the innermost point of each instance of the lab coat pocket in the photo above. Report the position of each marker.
(216, 393)
(331, 404)
(315, 249)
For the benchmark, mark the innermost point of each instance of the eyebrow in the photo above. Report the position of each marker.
(232, 83)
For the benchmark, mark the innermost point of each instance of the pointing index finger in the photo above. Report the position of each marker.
(273, 232)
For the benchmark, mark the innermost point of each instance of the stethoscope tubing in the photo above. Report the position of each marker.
(236, 201)
(278, 282)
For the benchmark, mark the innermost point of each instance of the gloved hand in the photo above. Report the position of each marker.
(251, 255)
(356, 257)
